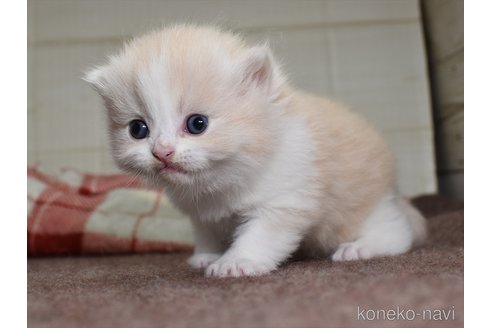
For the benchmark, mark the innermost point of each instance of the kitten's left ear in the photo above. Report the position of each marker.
(95, 77)
(259, 69)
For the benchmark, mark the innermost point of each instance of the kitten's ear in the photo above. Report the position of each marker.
(95, 77)
(258, 69)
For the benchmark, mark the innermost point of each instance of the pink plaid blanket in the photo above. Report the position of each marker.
(77, 213)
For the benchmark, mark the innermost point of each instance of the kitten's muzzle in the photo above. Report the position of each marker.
(163, 154)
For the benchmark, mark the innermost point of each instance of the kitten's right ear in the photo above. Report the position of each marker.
(258, 69)
(95, 77)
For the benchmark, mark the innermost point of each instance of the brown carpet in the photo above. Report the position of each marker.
(160, 290)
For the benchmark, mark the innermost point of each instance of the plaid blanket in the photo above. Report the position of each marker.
(77, 213)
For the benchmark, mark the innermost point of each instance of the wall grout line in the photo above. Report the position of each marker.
(255, 29)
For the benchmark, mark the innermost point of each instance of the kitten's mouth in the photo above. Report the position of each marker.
(169, 167)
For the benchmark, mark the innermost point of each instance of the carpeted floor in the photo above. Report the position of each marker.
(160, 290)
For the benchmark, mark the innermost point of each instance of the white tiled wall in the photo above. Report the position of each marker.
(367, 53)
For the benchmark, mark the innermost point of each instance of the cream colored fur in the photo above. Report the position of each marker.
(277, 170)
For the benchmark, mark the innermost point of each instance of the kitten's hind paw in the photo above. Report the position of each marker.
(202, 260)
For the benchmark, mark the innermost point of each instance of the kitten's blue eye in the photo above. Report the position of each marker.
(139, 129)
(196, 123)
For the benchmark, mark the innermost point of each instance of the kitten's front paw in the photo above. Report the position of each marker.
(351, 252)
(202, 260)
(236, 268)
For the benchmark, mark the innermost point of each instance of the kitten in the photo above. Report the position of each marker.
(262, 169)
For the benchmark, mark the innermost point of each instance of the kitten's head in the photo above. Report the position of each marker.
(191, 105)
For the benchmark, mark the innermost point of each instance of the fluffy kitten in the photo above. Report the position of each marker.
(262, 169)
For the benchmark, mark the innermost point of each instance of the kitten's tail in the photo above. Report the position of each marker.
(417, 222)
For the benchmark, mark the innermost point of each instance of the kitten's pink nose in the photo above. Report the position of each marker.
(163, 153)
